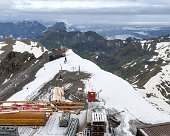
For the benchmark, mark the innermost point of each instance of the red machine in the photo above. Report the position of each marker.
(91, 96)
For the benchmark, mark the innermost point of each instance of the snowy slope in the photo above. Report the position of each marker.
(157, 88)
(116, 92)
(153, 88)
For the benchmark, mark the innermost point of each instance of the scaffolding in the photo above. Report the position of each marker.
(72, 127)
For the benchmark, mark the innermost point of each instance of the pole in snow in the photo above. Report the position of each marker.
(79, 69)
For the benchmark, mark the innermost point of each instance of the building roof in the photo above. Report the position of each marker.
(98, 116)
(155, 130)
(96, 112)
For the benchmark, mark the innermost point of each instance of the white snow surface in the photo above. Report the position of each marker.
(33, 48)
(116, 92)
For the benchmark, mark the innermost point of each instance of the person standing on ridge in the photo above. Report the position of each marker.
(65, 60)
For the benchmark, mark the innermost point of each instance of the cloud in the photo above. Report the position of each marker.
(74, 4)
(93, 6)
(87, 10)
(107, 6)
(6, 5)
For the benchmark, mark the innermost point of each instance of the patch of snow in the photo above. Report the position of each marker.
(146, 66)
(149, 45)
(143, 43)
(128, 64)
(154, 58)
(1, 52)
(110, 38)
(152, 69)
(142, 33)
(135, 86)
(22, 47)
(133, 64)
(5, 81)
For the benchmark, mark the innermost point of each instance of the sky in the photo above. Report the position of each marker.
(87, 11)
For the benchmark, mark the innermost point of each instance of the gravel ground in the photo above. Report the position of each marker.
(71, 81)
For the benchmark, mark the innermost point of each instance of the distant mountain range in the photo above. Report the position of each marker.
(125, 31)
(34, 29)
(27, 29)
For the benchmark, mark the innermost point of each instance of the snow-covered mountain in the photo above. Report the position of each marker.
(116, 93)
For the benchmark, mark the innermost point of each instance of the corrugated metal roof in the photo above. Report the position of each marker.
(99, 116)
(155, 130)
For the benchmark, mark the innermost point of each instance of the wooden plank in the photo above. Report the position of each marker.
(23, 118)
(70, 107)
(23, 122)
(69, 103)
(45, 102)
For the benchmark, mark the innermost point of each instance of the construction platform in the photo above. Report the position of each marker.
(52, 126)
(19, 118)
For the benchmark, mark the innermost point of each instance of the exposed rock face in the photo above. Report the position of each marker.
(17, 70)
(14, 63)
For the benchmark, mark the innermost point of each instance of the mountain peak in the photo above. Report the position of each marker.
(58, 26)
